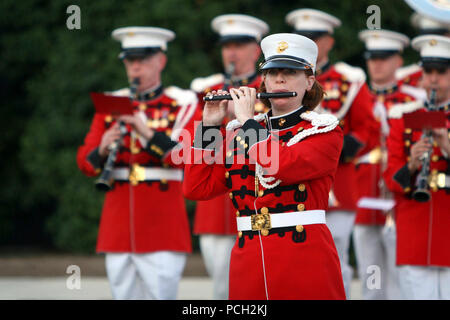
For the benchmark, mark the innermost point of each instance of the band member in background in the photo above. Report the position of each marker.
(284, 249)
(412, 74)
(144, 229)
(215, 219)
(349, 99)
(422, 222)
(374, 231)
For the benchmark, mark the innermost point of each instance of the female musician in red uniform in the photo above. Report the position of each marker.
(277, 169)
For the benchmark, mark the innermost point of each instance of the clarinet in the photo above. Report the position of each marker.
(422, 192)
(106, 179)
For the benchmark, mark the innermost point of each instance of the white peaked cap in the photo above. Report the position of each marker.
(288, 50)
(312, 20)
(383, 40)
(230, 26)
(143, 37)
(432, 46)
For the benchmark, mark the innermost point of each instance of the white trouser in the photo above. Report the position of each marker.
(375, 254)
(145, 276)
(340, 224)
(425, 283)
(216, 252)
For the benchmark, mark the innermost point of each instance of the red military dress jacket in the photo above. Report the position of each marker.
(422, 227)
(349, 99)
(295, 262)
(216, 216)
(371, 163)
(145, 210)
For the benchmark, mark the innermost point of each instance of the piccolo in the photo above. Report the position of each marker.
(260, 95)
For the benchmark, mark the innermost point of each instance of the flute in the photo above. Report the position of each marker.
(259, 95)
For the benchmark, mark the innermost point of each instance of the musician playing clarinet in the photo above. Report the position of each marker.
(277, 168)
(144, 230)
(215, 220)
(423, 209)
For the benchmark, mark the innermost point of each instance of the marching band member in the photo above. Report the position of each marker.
(144, 230)
(215, 219)
(349, 99)
(422, 226)
(374, 231)
(277, 169)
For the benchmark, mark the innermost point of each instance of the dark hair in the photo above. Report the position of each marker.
(311, 98)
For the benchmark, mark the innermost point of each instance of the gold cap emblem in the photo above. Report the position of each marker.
(433, 42)
(282, 45)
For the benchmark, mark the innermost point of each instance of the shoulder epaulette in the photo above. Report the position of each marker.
(353, 74)
(124, 92)
(182, 96)
(398, 110)
(403, 72)
(321, 123)
(201, 84)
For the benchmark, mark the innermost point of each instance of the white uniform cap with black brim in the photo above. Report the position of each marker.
(312, 23)
(142, 41)
(239, 28)
(434, 50)
(382, 43)
(288, 51)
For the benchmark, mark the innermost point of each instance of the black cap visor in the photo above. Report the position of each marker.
(138, 53)
(285, 62)
(236, 38)
(429, 63)
(379, 54)
(434, 31)
(311, 34)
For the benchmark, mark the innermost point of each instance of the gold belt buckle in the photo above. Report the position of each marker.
(261, 222)
(137, 174)
(432, 181)
(441, 180)
(375, 156)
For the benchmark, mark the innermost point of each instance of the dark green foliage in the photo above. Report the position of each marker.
(47, 72)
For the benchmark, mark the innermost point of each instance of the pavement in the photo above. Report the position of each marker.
(50, 277)
(97, 288)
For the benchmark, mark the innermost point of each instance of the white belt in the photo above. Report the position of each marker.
(374, 156)
(279, 220)
(140, 173)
